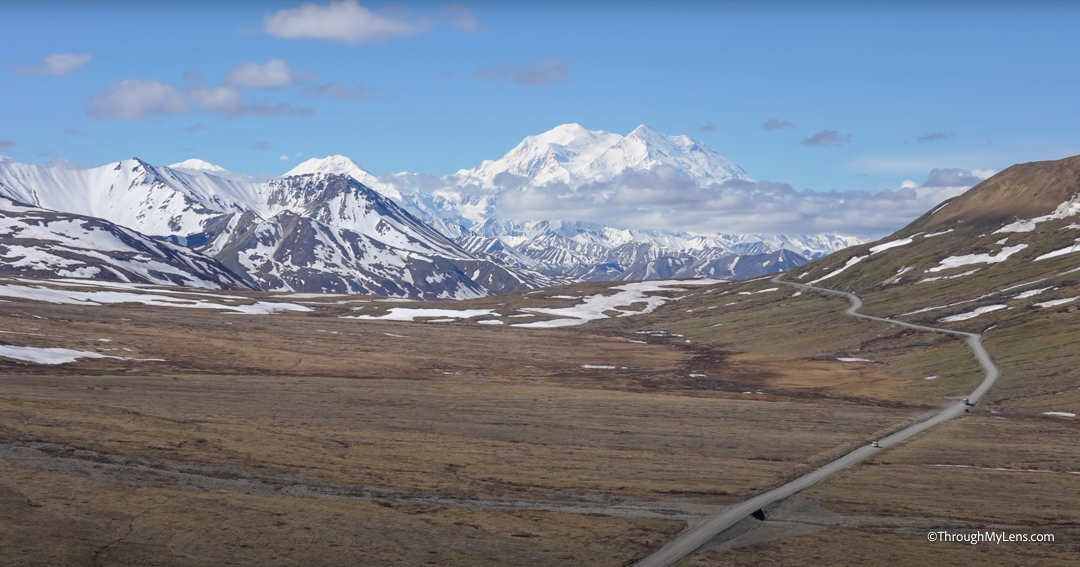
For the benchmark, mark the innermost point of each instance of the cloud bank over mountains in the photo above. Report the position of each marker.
(663, 199)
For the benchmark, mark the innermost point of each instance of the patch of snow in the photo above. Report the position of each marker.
(954, 276)
(1056, 302)
(410, 314)
(973, 314)
(595, 306)
(597, 367)
(851, 262)
(767, 290)
(1067, 209)
(1031, 293)
(957, 261)
(933, 234)
(56, 355)
(887, 245)
(1060, 252)
(931, 377)
(1059, 413)
(852, 359)
(489, 322)
(97, 298)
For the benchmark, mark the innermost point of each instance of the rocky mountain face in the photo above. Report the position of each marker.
(313, 232)
(36, 242)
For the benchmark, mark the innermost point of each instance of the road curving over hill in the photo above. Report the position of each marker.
(693, 539)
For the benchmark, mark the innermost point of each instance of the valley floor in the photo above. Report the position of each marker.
(302, 438)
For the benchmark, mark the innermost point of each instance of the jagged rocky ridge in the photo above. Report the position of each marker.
(37, 242)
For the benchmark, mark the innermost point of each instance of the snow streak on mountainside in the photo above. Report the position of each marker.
(42, 243)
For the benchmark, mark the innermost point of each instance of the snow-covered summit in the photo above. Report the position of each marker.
(198, 165)
(574, 155)
(645, 148)
(337, 165)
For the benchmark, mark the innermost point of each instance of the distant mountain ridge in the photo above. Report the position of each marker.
(330, 225)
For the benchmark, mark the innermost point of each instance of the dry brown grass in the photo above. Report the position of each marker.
(410, 410)
(59, 520)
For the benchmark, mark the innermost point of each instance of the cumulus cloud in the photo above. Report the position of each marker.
(934, 136)
(273, 74)
(777, 124)
(664, 199)
(535, 74)
(955, 177)
(283, 157)
(57, 64)
(345, 21)
(132, 99)
(262, 146)
(827, 138)
(341, 91)
(220, 100)
(7, 144)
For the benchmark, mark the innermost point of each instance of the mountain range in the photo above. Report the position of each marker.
(328, 225)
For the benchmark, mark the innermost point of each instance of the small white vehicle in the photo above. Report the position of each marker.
(876, 445)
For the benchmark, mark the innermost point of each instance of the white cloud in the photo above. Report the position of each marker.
(345, 21)
(273, 74)
(826, 138)
(955, 177)
(220, 100)
(284, 157)
(58, 64)
(663, 199)
(132, 99)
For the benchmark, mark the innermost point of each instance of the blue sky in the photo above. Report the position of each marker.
(888, 91)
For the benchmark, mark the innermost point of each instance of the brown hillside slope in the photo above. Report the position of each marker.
(1022, 191)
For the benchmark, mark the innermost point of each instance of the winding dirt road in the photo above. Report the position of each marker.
(693, 539)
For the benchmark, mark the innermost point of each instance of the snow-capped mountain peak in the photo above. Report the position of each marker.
(574, 155)
(336, 164)
(645, 148)
(198, 165)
